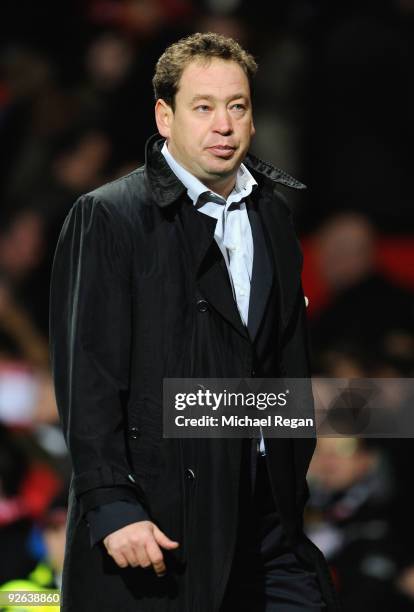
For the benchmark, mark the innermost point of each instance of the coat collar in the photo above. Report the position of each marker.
(166, 187)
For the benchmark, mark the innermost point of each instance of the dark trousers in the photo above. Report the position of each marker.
(266, 575)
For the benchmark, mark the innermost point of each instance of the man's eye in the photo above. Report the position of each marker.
(239, 107)
(202, 108)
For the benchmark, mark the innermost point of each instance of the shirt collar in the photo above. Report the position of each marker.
(243, 186)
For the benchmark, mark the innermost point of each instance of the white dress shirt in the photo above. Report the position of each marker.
(232, 233)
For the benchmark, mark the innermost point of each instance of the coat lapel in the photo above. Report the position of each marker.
(209, 267)
(262, 273)
(286, 252)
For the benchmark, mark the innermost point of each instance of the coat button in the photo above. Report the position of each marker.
(202, 305)
(133, 432)
(189, 474)
(253, 373)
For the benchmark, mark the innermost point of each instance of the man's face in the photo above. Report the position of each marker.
(210, 130)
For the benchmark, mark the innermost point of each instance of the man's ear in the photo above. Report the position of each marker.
(163, 117)
(252, 130)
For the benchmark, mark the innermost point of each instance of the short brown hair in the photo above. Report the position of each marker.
(204, 46)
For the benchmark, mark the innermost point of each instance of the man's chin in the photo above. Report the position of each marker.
(222, 168)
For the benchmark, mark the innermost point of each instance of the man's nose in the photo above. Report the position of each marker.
(222, 123)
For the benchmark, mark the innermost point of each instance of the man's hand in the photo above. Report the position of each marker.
(138, 544)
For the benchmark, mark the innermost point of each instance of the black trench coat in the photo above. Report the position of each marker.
(133, 260)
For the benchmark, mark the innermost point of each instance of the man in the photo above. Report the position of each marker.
(187, 267)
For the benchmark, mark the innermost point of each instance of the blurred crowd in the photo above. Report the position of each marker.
(333, 106)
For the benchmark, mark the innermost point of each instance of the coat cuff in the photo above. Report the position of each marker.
(107, 518)
(104, 495)
(103, 476)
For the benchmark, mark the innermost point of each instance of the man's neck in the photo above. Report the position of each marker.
(223, 188)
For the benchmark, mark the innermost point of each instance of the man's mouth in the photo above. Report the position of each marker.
(224, 151)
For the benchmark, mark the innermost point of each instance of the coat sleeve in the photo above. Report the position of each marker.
(90, 344)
